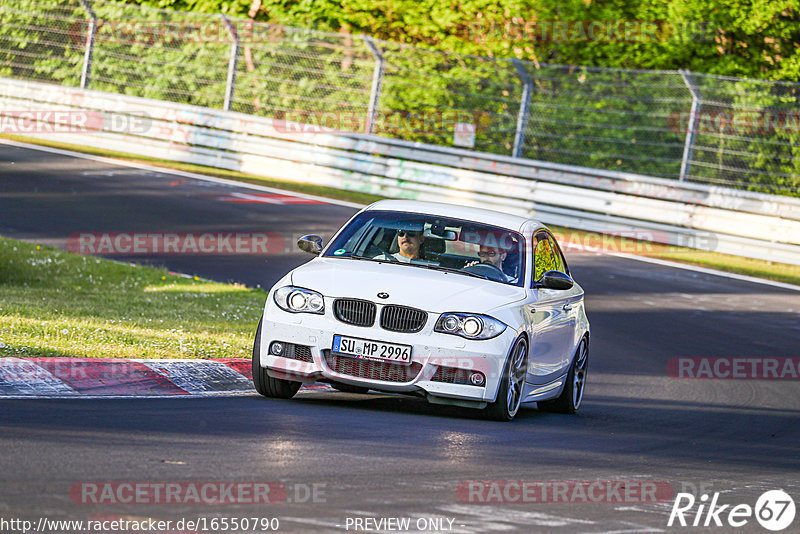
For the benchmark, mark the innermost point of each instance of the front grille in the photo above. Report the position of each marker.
(354, 311)
(452, 375)
(371, 369)
(296, 352)
(402, 318)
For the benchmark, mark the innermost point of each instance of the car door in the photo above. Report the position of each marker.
(552, 315)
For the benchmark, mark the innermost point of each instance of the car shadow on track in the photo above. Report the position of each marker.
(397, 403)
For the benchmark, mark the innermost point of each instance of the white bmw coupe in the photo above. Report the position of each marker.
(459, 305)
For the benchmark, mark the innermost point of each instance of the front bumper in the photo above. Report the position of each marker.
(439, 367)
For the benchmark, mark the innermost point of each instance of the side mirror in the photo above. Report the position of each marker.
(555, 280)
(310, 243)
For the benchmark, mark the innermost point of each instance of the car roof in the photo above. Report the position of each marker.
(494, 218)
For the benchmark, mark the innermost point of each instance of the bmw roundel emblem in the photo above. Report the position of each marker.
(383, 295)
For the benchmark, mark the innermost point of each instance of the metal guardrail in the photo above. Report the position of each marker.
(709, 218)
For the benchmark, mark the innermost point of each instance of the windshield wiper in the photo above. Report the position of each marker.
(423, 265)
(377, 259)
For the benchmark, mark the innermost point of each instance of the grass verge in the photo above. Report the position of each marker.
(55, 303)
(713, 260)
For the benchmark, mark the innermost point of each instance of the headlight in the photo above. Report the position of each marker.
(296, 300)
(469, 325)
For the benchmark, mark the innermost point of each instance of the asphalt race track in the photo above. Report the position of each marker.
(341, 457)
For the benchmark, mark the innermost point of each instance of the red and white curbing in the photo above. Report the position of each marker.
(92, 377)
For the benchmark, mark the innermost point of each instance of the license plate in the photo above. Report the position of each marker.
(372, 350)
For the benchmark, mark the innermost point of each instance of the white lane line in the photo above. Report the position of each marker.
(686, 267)
(251, 197)
(705, 270)
(185, 174)
(326, 200)
(24, 378)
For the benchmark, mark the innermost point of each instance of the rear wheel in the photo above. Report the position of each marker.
(509, 396)
(265, 384)
(570, 399)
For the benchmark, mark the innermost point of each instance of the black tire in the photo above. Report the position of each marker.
(509, 396)
(347, 388)
(267, 386)
(571, 396)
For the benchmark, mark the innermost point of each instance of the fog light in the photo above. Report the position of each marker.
(477, 379)
(276, 348)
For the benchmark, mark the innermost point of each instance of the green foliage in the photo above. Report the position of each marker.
(160, 55)
(29, 48)
(450, 62)
(754, 38)
(617, 120)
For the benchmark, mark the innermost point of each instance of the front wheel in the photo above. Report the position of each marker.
(509, 396)
(265, 384)
(571, 396)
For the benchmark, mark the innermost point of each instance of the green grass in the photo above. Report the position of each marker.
(713, 260)
(55, 303)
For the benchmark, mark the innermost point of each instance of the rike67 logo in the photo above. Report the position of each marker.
(774, 510)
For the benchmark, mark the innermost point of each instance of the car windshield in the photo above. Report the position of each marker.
(442, 243)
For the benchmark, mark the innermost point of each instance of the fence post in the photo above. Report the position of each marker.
(525, 102)
(691, 130)
(377, 79)
(233, 62)
(90, 36)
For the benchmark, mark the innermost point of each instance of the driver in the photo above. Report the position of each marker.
(491, 255)
(409, 242)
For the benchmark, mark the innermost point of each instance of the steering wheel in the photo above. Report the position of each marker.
(490, 271)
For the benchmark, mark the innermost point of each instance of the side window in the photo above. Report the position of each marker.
(544, 258)
(561, 263)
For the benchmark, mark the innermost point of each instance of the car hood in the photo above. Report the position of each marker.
(427, 289)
